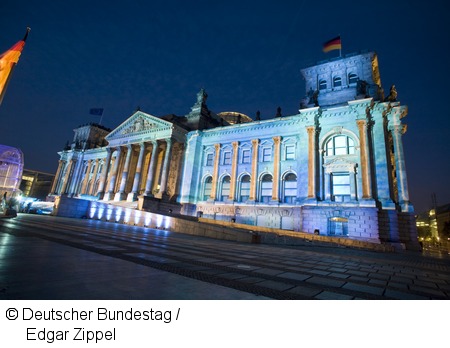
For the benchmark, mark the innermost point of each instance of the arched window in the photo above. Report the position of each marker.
(290, 188)
(337, 81)
(322, 85)
(352, 78)
(244, 190)
(225, 191)
(266, 188)
(207, 188)
(340, 145)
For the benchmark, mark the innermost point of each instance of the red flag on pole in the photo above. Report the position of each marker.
(8, 61)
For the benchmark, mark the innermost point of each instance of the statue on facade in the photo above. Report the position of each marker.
(315, 98)
(201, 97)
(361, 87)
(278, 112)
(258, 116)
(392, 97)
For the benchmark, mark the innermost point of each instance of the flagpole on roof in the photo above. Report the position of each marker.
(12, 66)
(340, 49)
(26, 34)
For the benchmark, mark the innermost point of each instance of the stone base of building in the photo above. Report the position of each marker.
(366, 223)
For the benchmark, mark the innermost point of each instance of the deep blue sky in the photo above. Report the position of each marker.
(246, 54)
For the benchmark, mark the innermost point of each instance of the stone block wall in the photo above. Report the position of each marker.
(70, 207)
(362, 222)
(79, 208)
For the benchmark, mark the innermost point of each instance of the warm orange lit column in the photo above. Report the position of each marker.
(364, 153)
(104, 175)
(311, 161)
(57, 179)
(90, 189)
(253, 181)
(234, 169)
(112, 183)
(276, 168)
(66, 177)
(86, 177)
(215, 172)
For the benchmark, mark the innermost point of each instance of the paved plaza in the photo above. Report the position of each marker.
(45, 257)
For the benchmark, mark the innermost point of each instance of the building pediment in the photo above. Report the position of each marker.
(139, 125)
(340, 164)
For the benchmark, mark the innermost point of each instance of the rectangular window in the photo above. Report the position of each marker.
(290, 152)
(209, 159)
(227, 157)
(246, 156)
(267, 154)
(341, 185)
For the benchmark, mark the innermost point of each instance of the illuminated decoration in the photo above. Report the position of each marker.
(11, 168)
(8, 61)
(333, 44)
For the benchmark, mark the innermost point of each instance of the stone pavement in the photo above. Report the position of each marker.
(43, 257)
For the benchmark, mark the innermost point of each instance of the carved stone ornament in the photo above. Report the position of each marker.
(139, 125)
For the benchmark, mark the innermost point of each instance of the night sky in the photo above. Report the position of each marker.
(156, 55)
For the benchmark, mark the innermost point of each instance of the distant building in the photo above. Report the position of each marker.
(336, 167)
(35, 184)
(434, 224)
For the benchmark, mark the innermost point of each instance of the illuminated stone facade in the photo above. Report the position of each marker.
(334, 168)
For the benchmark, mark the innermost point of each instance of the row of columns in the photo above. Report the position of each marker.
(114, 174)
(254, 166)
(68, 179)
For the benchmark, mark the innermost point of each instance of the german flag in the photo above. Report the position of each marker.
(333, 44)
(8, 61)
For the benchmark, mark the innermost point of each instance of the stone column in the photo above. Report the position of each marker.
(132, 196)
(402, 183)
(215, 172)
(75, 179)
(57, 178)
(276, 169)
(352, 178)
(104, 175)
(311, 161)
(151, 169)
(110, 194)
(327, 186)
(254, 178)
(66, 177)
(364, 153)
(120, 196)
(165, 169)
(234, 164)
(86, 177)
(90, 190)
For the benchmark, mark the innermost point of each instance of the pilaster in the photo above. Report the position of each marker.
(234, 170)
(215, 172)
(254, 178)
(276, 169)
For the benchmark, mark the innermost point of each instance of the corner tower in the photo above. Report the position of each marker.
(336, 81)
